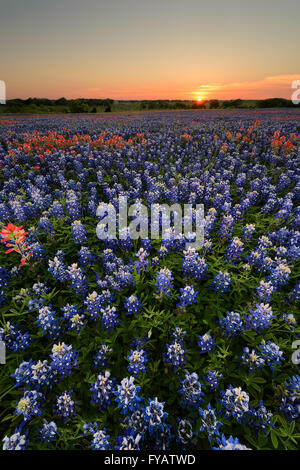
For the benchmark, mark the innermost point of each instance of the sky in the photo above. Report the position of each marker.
(142, 49)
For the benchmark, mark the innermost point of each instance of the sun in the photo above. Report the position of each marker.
(199, 99)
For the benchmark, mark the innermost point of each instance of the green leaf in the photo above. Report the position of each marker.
(274, 439)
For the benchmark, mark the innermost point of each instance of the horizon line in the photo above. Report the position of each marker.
(149, 99)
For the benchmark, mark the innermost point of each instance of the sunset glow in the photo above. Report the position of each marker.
(129, 50)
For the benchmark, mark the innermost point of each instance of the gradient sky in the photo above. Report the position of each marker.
(147, 49)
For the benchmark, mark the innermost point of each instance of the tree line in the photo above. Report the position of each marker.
(107, 105)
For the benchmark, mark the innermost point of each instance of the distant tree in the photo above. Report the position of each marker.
(238, 103)
(78, 106)
(61, 102)
(108, 105)
(227, 104)
(274, 103)
(214, 104)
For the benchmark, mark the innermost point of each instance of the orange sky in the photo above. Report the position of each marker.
(163, 49)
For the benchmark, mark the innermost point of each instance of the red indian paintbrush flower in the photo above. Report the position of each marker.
(14, 237)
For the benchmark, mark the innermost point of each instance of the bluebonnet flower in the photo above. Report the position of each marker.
(213, 377)
(185, 431)
(42, 374)
(4, 277)
(136, 421)
(93, 303)
(252, 359)
(234, 250)
(221, 282)
(46, 225)
(103, 390)
(271, 354)
(209, 422)
(155, 415)
(232, 443)
(175, 355)
(90, 428)
(57, 269)
(260, 418)
(142, 261)
(248, 231)
(109, 317)
(290, 320)
(38, 251)
(47, 321)
(65, 406)
(191, 389)
(231, 324)
(164, 282)
(132, 305)
(16, 441)
(285, 209)
(14, 338)
(64, 358)
(296, 292)
(78, 232)
(123, 278)
(264, 291)
(235, 402)
(209, 221)
(129, 441)
(207, 246)
(72, 314)
(57, 210)
(5, 213)
(258, 259)
(29, 405)
(101, 440)
(86, 257)
(162, 437)
(264, 243)
(40, 288)
(188, 296)
(125, 240)
(101, 358)
(206, 343)
(78, 279)
(178, 333)
(35, 303)
(137, 361)
(127, 395)
(163, 251)
(279, 275)
(48, 432)
(260, 318)
(226, 226)
(72, 205)
(290, 402)
(193, 265)
(23, 373)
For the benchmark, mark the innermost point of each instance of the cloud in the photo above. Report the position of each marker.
(268, 87)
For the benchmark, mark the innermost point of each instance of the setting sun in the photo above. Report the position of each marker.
(199, 99)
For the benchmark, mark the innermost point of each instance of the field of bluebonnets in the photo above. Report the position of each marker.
(144, 344)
